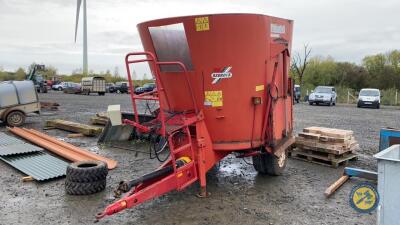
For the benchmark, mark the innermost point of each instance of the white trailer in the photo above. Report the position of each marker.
(93, 85)
(17, 99)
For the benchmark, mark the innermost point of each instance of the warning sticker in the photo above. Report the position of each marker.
(202, 23)
(213, 98)
(260, 87)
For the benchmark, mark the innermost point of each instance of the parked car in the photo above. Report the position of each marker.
(369, 97)
(119, 87)
(108, 85)
(323, 95)
(50, 83)
(146, 88)
(296, 93)
(93, 85)
(17, 99)
(60, 86)
(72, 88)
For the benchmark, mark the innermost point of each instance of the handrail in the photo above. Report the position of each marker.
(127, 62)
(155, 68)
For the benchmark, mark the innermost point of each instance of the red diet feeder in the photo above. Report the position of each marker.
(222, 87)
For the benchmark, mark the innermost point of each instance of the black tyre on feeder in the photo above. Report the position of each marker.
(87, 171)
(270, 164)
(84, 188)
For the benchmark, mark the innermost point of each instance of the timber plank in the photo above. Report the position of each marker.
(85, 129)
(331, 132)
(95, 120)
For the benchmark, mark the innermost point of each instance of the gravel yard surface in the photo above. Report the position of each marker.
(239, 194)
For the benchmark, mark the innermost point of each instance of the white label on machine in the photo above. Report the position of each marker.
(225, 73)
(277, 28)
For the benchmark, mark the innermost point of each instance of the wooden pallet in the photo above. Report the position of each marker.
(337, 148)
(329, 132)
(322, 158)
(324, 138)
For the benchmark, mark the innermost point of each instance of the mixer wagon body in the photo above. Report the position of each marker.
(239, 43)
(222, 87)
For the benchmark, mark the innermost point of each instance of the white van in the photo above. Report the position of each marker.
(369, 97)
(93, 85)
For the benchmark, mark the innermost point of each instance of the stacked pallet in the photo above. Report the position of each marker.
(326, 146)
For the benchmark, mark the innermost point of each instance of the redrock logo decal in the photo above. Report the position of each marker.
(225, 73)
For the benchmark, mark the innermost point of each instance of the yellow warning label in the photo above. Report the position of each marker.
(213, 98)
(260, 87)
(202, 23)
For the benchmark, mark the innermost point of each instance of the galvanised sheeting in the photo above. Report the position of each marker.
(41, 166)
(7, 140)
(10, 145)
(14, 149)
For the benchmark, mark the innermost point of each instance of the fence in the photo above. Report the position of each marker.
(350, 96)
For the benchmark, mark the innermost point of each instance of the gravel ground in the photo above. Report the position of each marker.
(239, 194)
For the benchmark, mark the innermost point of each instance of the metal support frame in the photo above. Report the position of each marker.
(276, 51)
(197, 146)
(182, 176)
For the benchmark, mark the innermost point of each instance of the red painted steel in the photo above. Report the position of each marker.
(229, 92)
(245, 43)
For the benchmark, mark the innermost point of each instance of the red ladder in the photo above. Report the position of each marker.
(178, 151)
(149, 96)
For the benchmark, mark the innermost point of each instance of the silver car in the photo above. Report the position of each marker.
(323, 95)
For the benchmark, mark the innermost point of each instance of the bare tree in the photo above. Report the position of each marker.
(300, 62)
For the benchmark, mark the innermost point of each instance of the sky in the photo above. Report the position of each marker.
(42, 31)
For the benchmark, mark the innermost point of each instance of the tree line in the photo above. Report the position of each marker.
(380, 71)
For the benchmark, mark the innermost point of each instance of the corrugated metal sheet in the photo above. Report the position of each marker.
(41, 166)
(18, 149)
(7, 140)
(10, 145)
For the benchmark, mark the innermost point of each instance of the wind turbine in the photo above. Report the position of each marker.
(85, 52)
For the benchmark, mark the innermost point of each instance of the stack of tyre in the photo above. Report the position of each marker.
(86, 177)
